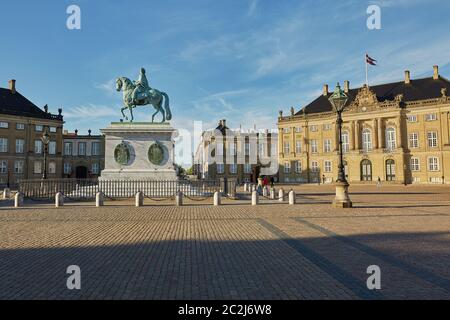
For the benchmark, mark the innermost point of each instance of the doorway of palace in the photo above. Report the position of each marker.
(366, 170)
(81, 172)
(255, 174)
(390, 170)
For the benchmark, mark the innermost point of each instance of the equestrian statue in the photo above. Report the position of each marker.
(139, 93)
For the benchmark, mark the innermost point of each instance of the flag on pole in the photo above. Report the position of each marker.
(370, 60)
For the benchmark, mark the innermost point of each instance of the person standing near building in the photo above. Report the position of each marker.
(379, 183)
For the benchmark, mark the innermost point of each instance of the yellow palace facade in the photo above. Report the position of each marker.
(396, 132)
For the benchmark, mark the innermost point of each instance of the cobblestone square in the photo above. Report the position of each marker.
(235, 251)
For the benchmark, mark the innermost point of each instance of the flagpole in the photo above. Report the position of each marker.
(367, 71)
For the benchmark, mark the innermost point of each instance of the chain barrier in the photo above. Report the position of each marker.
(172, 197)
(196, 199)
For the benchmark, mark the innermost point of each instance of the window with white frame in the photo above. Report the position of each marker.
(18, 166)
(345, 142)
(431, 117)
(52, 129)
(247, 168)
(298, 146)
(415, 164)
(414, 140)
(287, 167)
(298, 129)
(327, 167)
(67, 168)
(287, 147)
(286, 130)
(432, 139)
(52, 147)
(313, 128)
(327, 145)
(327, 127)
(298, 166)
(391, 139)
(4, 125)
(367, 140)
(247, 148)
(315, 166)
(220, 168)
(314, 148)
(52, 167)
(37, 168)
(68, 147)
(39, 128)
(20, 146)
(81, 148)
(233, 168)
(95, 148)
(3, 145)
(412, 118)
(3, 166)
(95, 168)
(433, 164)
(20, 126)
(37, 146)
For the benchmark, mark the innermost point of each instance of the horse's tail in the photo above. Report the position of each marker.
(166, 106)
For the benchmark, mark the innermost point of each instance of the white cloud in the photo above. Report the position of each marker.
(109, 86)
(91, 112)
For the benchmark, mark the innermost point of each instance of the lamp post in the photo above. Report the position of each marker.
(338, 100)
(45, 141)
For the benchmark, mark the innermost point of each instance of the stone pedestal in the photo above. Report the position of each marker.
(139, 151)
(342, 199)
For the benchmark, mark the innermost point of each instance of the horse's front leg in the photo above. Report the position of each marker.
(123, 114)
(131, 112)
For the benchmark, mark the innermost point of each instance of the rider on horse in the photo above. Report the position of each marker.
(141, 86)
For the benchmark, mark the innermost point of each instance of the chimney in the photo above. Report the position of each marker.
(224, 122)
(407, 77)
(12, 86)
(436, 73)
(325, 90)
(346, 86)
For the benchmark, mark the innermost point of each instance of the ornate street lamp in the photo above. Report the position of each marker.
(45, 140)
(338, 100)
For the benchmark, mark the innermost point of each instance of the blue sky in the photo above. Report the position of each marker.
(242, 60)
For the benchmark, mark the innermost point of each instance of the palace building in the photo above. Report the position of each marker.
(398, 132)
(22, 125)
(84, 155)
(243, 155)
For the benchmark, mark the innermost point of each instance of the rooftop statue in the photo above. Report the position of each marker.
(139, 93)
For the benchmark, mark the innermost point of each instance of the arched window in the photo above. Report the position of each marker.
(367, 140)
(345, 141)
(390, 170)
(366, 170)
(391, 139)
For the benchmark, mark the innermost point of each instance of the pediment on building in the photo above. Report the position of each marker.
(365, 100)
